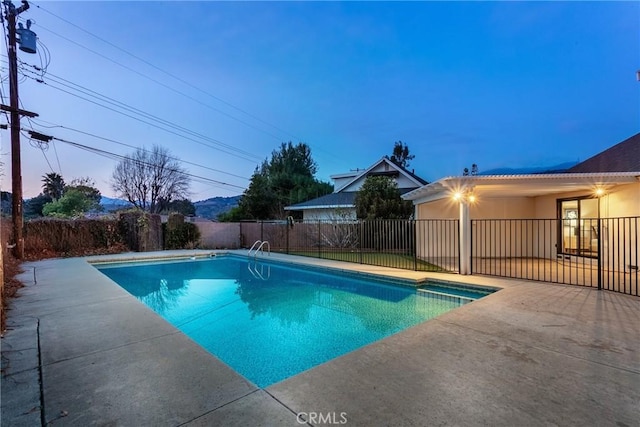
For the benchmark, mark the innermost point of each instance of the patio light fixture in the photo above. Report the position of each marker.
(465, 195)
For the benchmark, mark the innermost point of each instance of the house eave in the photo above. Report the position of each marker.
(531, 185)
(302, 208)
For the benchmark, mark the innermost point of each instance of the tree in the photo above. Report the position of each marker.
(401, 156)
(288, 178)
(34, 206)
(73, 203)
(234, 214)
(182, 206)
(259, 201)
(6, 203)
(88, 188)
(291, 177)
(146, 177)
(379, 198)
(53, 185)
(474, 170)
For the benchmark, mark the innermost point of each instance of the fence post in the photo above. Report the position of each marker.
(465, 238)
(459, 245)
(599, 250)
(319, 241)
(360, 237)
(414, 235)
(471, 250)
(287, 236)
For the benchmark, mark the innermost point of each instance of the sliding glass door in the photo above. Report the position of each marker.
(579, 226)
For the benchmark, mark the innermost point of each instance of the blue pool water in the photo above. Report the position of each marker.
(270, 321)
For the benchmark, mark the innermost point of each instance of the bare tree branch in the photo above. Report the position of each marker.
(147, 177)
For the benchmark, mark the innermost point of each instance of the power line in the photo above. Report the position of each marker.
(166, 73)
(245, 155)
(134, 147)
(55, 150)
(114, 156)
(39, 146)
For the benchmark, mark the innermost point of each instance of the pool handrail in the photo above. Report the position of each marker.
(260, 248)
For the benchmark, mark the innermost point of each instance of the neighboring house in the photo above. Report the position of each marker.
(341, 203)
(552, 215)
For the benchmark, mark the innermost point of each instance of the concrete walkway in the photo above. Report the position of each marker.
(79, 350)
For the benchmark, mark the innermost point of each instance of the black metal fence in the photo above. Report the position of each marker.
(600, 253)
(386, 243)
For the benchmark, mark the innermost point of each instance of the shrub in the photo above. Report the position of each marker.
(141, 231)
(179, 234)
(47, 237)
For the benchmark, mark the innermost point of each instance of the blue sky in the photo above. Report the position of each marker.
(499, 84)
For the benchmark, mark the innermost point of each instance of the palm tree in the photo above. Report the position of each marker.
(53, 185)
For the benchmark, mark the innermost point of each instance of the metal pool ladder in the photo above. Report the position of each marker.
(258, 246)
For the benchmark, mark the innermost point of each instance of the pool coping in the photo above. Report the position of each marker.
(585, 339)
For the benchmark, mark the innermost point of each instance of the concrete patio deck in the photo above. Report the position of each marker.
(79, 350)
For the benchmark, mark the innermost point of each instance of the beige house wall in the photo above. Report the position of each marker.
(622, 201)
(503, 208)
(439, 209)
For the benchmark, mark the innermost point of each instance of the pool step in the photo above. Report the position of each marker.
(448, 294)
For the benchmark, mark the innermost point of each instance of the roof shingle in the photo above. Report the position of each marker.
(622, 157)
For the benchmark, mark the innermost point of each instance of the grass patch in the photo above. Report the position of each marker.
(382, 259)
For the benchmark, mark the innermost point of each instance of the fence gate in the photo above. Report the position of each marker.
(601, 253)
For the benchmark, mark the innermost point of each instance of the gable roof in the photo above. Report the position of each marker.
(419, 182)
(622, 157)
(345, 197)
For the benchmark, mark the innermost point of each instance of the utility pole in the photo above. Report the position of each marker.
(11, 12)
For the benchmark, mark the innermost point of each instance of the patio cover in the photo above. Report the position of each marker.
(532, 185)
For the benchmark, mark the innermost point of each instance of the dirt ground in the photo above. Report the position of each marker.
(10, 269)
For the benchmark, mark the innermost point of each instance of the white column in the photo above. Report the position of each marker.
(465, 238)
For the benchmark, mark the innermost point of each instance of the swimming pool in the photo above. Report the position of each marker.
(270, 321)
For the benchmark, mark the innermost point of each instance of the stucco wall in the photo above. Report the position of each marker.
(329, 214)
(503, 208)
(490, 208)
(439, 209)
(621, 201)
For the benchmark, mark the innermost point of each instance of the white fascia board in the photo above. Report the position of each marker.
(318, 207)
